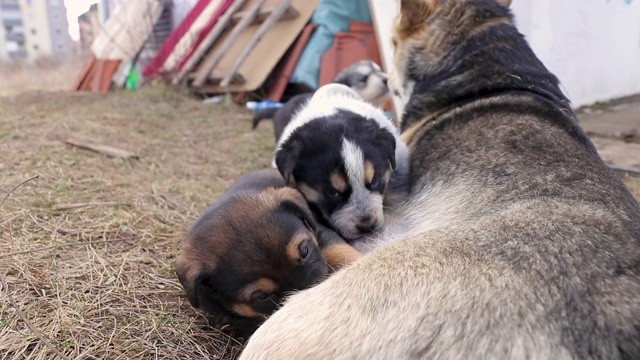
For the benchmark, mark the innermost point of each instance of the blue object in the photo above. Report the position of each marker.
(331, 16)
(266, 104)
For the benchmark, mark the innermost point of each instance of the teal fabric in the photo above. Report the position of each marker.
(332, 16)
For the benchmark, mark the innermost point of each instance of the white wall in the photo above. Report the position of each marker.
(593, 46)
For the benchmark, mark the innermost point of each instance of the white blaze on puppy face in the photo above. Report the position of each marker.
(362, 202)
(326, 102)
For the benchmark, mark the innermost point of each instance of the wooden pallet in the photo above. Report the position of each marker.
(246, 25)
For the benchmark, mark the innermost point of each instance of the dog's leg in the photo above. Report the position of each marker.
(337, 252)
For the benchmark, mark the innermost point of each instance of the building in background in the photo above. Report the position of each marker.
(31, 29)
(46, 29)
(12, 39)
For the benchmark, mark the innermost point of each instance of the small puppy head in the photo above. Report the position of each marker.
(368, 80)
(238, 263)
(426, 31)
(339, 151)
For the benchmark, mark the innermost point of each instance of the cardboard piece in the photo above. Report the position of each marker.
(266, 53)
(126, 30)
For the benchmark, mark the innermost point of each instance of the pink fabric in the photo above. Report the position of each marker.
(180, 56)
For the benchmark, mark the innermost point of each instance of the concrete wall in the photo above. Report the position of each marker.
(593, 46)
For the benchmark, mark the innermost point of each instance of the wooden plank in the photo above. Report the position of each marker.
(206, 43)
(262, 30)
(82, 77)
(264, 14)
(110, 68)
(211, 61)
(97, 76)
(264, 58)
(186, 38)
(290, 60)
(102, 149)
(383, 13)
(237, 79)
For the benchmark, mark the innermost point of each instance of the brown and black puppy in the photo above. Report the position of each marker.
(250, 248)
(516, 241)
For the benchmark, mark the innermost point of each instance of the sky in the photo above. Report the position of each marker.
(76, 8)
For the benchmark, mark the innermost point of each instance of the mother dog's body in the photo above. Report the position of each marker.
(517, 241)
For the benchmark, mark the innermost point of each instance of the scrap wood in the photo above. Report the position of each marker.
(211, 61)
(262, 30)
(266, 54)
(77, 85)
(205, 44)
(96, 75)
(126, 30)
(285, 69)
(289, 13)
(102, 149)
(185, 39)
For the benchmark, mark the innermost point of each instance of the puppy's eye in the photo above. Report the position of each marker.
(304, 250)
(333, 193)
(261, 295)
(375, 182)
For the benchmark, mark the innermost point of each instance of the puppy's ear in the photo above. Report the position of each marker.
(505, 3)
(203, 294)
(286, 158)
(413, 13)
(297, 204)
(386, 142)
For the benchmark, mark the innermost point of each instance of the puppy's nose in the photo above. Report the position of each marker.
(366, 224)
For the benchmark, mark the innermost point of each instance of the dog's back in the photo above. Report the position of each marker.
(517, 242)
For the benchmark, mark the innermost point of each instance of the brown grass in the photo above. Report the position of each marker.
(88, 248)
(51, 74)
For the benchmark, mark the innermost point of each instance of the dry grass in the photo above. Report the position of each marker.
(88, 248)
(50, 74)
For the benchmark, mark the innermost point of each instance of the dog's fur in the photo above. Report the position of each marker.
(250, 248)
(341, 153)
(364, 77)
(516, 242)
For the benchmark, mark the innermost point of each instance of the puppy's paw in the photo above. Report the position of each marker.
(336, 251)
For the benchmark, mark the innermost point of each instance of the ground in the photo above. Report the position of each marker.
(88, 247)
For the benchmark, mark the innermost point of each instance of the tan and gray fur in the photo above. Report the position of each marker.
(364, 77)
(517, 241)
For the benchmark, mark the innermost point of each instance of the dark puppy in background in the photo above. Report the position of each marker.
(250, 248)
(347, 159)
(364, 77)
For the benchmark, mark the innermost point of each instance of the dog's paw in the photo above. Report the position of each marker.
(336, 251)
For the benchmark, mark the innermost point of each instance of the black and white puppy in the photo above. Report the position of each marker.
(365, 77)
(346, 158)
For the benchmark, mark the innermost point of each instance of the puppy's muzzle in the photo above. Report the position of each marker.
(366, 224)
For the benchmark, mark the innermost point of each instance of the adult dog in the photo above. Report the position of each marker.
(517, 240)
(364, 77)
